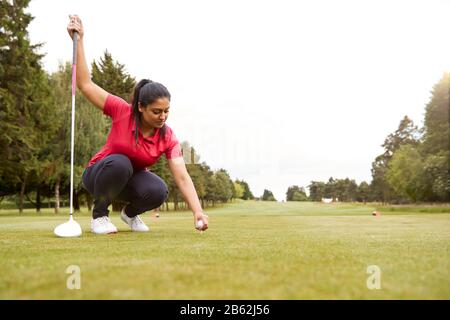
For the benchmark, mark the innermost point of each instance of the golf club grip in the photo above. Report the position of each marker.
(74, 62)
(75, 44)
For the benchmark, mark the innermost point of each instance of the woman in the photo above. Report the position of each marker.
(138, 137)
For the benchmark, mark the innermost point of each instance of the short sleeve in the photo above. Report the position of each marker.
(173, 147)
(115, 106)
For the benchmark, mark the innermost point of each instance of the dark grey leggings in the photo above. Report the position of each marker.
(112, 178)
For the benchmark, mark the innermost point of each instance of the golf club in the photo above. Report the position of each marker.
(71, 228)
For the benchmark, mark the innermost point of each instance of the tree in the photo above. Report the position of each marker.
(218, 187)
(205, 176)
(112, 76)
(295, 193)
(424, 174)
(25, 101)
(248, 195)
(437, 119)
(268, 196)
(436, 142)
(290, 192)
(238, 191)
(363, 192)
(380, 188)
(436, 177)
(404, 172)
(212, 190)
(225, 185)
(351, 190)
(300, 196)
(406, 134)
(330, 189)
(316, 190)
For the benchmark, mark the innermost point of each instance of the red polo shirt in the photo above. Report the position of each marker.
(121, 138)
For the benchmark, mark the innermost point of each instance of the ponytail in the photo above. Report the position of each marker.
(146, 92)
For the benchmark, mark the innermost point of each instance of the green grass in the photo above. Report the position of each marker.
(253, 250)
(416, 209)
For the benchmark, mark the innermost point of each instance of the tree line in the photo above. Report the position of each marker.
(35, 111)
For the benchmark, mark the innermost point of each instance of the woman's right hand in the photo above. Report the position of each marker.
(75, 24)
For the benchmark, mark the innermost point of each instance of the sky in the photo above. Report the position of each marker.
(278, 92)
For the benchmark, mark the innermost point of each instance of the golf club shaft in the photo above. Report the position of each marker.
(72, 131)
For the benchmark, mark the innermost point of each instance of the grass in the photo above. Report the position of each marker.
(253, 250)
(439, 208)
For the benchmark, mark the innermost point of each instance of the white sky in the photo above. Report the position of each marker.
(276, 92)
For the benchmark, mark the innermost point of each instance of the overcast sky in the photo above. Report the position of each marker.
(276, 92)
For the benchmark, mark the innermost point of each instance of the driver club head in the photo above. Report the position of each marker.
(68, 229)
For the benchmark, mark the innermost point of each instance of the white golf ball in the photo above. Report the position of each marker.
(199, 224)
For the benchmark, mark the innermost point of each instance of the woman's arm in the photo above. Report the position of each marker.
(185, 184)
(96, 95)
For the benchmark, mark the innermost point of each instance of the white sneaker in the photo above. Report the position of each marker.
(102, 225)
(135, 223)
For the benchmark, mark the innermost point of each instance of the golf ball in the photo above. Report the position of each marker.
(199, 224)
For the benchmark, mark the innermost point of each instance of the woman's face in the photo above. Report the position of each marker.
(155, 114)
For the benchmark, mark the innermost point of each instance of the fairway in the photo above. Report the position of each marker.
(253, 250)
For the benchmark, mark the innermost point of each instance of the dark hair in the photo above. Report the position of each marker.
(146, 92)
